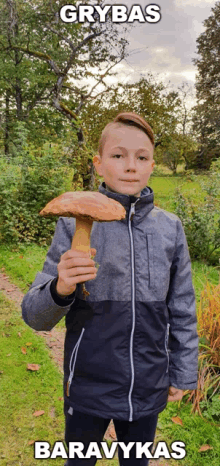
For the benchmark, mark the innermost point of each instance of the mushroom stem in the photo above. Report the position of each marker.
(81, 241)
(81, 238)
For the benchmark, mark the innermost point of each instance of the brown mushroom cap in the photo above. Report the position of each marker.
(86, 204)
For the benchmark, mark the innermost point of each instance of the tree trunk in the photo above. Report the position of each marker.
(7, 123)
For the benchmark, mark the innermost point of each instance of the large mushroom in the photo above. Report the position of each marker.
(86, 207)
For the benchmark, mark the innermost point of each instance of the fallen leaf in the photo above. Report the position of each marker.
(9, 291)
(60, 398)
(3, 334)
(177, 420)
(21, 257)
(111, 432)
(23, 350)
(9, 354)
(3, 269)
(28, 343)
(31, 442)
(1, 372)
(19, 334)
(38, 413)
(33, 367)
(205, 448)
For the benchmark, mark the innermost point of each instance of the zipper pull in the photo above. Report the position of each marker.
(68, 384)
(132, 211)
(68, 388)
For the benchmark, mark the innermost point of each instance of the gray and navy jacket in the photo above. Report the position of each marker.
(135, 334)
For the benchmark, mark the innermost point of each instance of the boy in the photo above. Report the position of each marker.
(134, 339)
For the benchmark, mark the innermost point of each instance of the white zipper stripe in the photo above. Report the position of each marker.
(75, 350)
(132, 211)
(166, 345)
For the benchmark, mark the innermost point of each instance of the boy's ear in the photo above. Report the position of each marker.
(97, 164)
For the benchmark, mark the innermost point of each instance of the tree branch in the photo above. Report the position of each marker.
(42, 56)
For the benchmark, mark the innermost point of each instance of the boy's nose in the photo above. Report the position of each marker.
(130, 165)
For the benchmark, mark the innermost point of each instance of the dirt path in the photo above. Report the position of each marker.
(55, 342)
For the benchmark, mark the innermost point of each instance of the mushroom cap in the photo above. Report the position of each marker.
(86, 204)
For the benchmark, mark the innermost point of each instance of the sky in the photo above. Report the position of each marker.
(168, 47)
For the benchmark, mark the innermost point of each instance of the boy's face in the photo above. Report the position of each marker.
(127, 160)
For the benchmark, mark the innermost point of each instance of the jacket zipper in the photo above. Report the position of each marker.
(166, 345)
(75, 351)
(131, 214)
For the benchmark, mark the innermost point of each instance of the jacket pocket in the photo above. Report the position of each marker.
(166, 345)
(73, 361)
(150, 251)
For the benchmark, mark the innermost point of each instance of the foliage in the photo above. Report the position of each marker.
(208, 316)
(26, 185)
(172, 156)
(202, 222)
(207, 111)
(211, 408)
(209, 323)
(43, 62)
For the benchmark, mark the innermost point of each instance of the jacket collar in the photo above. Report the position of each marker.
(143, 204)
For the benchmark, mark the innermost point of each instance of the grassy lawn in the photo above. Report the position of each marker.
(195, 432)
(164, 189)
(23, 392)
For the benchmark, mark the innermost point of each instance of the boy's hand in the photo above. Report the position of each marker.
(175, 394)
(74, 267)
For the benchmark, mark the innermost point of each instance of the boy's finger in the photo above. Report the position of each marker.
(71, 253)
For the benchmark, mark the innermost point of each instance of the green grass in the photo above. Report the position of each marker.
(201, 273)
(22, 392)
(195, 432)
(22, 262)
(164, 190)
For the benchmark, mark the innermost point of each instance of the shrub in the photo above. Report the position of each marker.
(201, 222)
(209, 347)
(209, 323)
(26, 185)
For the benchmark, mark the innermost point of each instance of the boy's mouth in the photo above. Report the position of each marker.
(130, 181)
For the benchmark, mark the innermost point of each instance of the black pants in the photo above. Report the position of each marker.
(84, 428)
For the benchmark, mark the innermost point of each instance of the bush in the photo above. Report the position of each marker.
(26, 185)
(209, 348)
(201, 222)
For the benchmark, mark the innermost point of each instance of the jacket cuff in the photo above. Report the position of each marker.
(182, 383)
(60, 301)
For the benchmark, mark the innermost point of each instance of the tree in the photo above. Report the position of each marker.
(44, 62)
(207, 111)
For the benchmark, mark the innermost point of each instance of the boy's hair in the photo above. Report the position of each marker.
(128, 119)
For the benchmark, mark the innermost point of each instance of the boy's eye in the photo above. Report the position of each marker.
(117, 155)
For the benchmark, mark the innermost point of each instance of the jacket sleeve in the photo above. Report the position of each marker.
(41, 307)
(183, 338)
